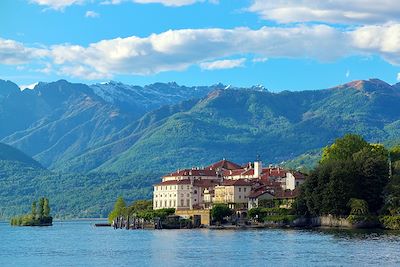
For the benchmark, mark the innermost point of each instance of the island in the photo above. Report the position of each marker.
(354, 185)
(39, 216)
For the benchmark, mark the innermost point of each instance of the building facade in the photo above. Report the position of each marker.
(225, 182)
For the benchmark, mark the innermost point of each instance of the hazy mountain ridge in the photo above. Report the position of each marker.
(62, 120)
(117, 127)
(240, 125)
(72, 129)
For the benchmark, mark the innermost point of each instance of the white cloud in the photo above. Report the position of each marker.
(62, 4)
(179, 49)
(168, 2)
(91, 14)
(347, 73)
(28, 86)
(398, 76)
(259, 59)
(333, 11)
(13, 53)
(176, 50)
(57, 4)
(223, 64)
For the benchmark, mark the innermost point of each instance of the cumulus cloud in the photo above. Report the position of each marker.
(333, 11)
(57, 4)
(13, 53)
(179, 49)
(176, 50)
(223, 64)
(91, 14)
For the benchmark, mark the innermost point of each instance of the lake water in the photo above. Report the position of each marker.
(81, 244)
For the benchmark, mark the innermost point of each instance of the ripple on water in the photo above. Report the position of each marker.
(81, 244)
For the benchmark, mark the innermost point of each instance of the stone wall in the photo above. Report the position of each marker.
(331, 221)
(205, 215)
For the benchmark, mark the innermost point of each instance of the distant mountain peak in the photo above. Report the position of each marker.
(371, 85)
(259, 87)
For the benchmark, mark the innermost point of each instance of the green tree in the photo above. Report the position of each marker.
(41, 208)
(220, 211)
(140, 205)
(358, 206)
(46, 208)
(395, 153)
(119, 209)
(34, 211)
(349, 168)
(371, 164)
(343, 147)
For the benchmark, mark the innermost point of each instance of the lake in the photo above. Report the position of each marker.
(79, 243)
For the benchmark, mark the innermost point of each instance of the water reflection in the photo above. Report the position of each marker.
(80, 244)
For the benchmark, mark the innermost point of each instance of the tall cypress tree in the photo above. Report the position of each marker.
(41, 207)
(34, 212)
(46, 208)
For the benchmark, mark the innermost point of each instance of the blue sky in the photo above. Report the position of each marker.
(292, 45)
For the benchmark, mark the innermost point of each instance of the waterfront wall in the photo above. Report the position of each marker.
(332, 221)
(205, 215)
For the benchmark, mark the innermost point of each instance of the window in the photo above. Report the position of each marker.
(174, 203)
(195, 191)
(160, 203)
(165, 203)
(170, 203)
(181, 202)
(240, 189)
(195, 200)
(181, 186)
(188, 202)
(244, 189)
(187, 195)
(156, 202)
(188, 187)
(240, 197)
(181, 195)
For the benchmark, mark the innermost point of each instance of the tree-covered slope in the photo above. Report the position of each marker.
(59, 121)
(71, 195)
(241, 124)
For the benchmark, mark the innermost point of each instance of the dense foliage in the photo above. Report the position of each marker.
(139, 209)
(351, 178)
(219, 212)
(73, 195)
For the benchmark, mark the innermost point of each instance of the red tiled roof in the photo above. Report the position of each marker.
(298, 175)
(248, 172)
(205, 183)
(256, 194)
(195, 172)
(233, 172)
(175, 182)
(287, 194)
(274, 172)
(224, 164)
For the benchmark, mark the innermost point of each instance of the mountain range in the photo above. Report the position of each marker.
(136, 131)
